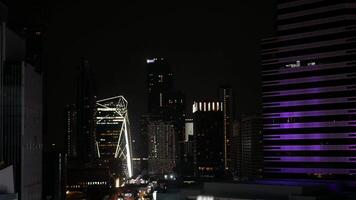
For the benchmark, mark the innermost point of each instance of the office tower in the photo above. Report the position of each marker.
(3, 15)
(308, 74)
(248, 147)
(86, 113)
(175, 113)
(225, 96)
(187, 166)
(208, 139)
(236, 150)
(161, 148)
(113, 135)
(71, 133)
(165, 102)
(22, 127)
(159, 84)
(141, 149)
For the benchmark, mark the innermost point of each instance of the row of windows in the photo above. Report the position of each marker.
(302, 119)
(320, 107)
(311, 164)
(349, 93)
(311, 6)
(307, 51)
(302, 74)
(319, 15)
(304, 29)
(306, 40)
(302, 85)
(344, 141)
(308, 153)
(347, 57)
(311, 130)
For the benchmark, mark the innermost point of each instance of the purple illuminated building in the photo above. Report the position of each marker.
(309, 91)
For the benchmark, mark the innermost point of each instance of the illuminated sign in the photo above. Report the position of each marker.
(298, 64)
(205, 198)
(152, 60)
(293, 65)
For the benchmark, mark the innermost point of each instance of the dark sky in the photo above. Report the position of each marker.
(206, 44)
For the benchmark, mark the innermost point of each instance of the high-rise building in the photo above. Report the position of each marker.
(113, 138)
(159, 85)
(71, 133)
(22, 127)
(235, 149)
(86, 102)
(308, 74)
(208, 139)
(20, 113)
(248, 147)
(225, 96)
(165, 103)
(161, 148)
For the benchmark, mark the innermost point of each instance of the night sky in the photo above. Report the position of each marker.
(206, 45)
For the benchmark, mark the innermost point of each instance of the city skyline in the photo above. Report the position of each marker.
(167, 100)
(119, 51)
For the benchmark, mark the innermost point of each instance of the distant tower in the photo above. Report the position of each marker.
(86, 113)
(3, 16)
(114, 148)
(159, 84)
(208, 139)
(226, 97)
(161, 148)
(164, 101)
(71, 133)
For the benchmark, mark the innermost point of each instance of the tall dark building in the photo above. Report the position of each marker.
(309, 95)
(165, 102)
(71, 131)
(86, 102)
(208, 139)
(159, 85)
(21, 143)
(161, 148)
(3, 16)
(248, 148)
(20, 113)
(226, 97)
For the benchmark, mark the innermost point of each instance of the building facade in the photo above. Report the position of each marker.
(159, 85)
(85, 108)
(71, 133)
(308, 75)
(22, 127)
(208, 139)
(247, 143)
(161, 148)
(113, 138)
(165, 102)
(226, 97)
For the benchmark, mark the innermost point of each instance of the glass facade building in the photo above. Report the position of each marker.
(309, 91)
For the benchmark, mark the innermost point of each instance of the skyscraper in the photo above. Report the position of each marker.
(113, 141)
(208, 139)
(86, 102)
(165, 102)
(22, 127)
(225, 96)
(247, 146)
(71, 131)
(159, 85)
(308, 74)
(20, 113)
(161, 148)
